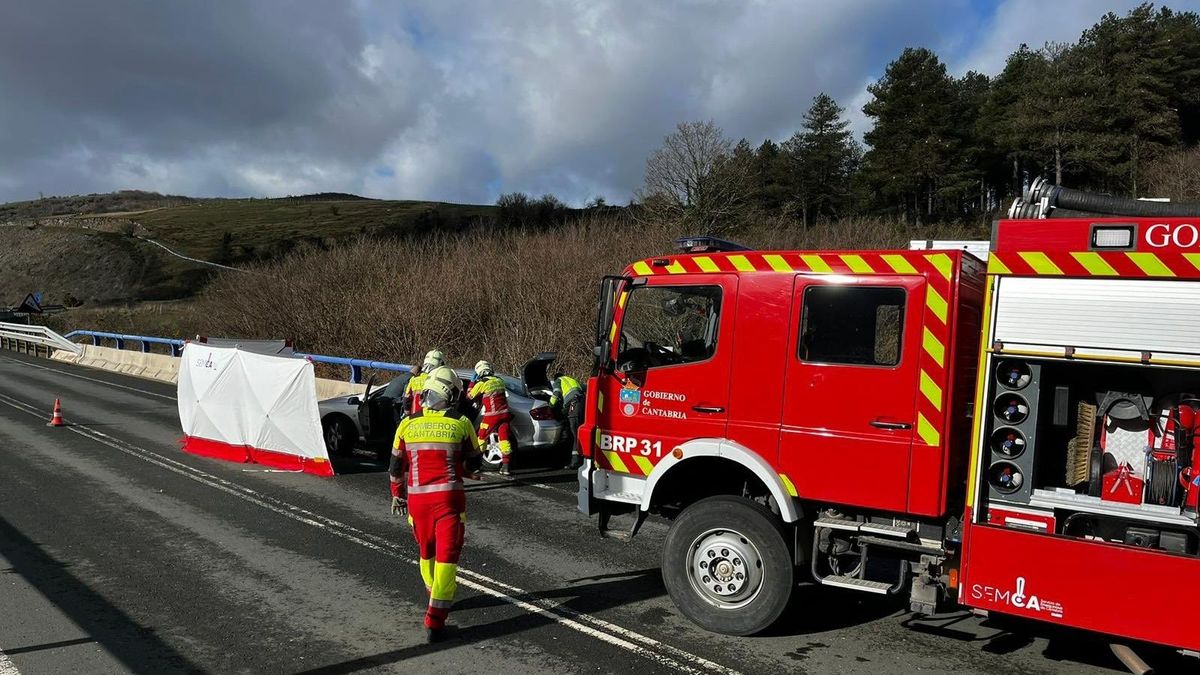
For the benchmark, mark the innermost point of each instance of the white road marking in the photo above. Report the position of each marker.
(495, 477)
(89, 379)
(605, 631)
(6, 666)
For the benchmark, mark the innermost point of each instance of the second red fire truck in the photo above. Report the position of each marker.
(1015, 436)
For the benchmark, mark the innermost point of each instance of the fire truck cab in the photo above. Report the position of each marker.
(1014, 436)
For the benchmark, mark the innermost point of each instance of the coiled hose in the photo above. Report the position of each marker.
(1043, 200)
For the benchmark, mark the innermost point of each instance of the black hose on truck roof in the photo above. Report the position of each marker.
(1044, 200)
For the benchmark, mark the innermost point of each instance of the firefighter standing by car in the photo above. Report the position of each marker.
(434, 358)
(488, 392)
(435, 448)
(567, 401)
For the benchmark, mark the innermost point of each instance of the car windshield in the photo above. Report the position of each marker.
(395, 388)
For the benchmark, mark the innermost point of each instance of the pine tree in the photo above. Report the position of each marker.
(824, 155)
(1134, 60)
(913, 142)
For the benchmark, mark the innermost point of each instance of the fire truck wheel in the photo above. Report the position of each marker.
(727, 565)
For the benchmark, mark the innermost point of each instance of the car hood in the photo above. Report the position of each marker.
(535, 374)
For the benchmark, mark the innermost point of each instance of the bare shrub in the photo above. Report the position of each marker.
(1176, 175)
(503, 295)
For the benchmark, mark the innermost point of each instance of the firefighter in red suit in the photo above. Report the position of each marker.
(434, 450)
(489, 393)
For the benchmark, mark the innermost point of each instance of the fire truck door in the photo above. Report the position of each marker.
(850, 390)
(672, 370)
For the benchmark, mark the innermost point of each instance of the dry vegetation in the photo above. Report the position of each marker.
(501, 295)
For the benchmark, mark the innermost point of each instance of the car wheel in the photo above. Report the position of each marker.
(340, 435)
(727, 565)
(492, 457)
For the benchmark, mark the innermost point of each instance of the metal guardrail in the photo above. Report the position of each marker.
(21, 336)
(121, 339)
(356, 366)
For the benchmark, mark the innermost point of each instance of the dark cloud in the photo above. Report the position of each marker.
(433, 99)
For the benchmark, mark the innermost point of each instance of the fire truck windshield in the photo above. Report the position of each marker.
(669, 325)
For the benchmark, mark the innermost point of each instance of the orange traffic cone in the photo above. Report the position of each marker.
(56, 420)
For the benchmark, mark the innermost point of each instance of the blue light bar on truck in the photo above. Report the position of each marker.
(707, 245)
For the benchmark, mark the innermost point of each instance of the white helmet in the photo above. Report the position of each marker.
(483, 369)
(440, 391)
(434, 358)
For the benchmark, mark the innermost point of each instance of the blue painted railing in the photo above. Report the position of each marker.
(356, 366)
(121, 339)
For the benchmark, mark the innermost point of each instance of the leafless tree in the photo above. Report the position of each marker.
(1177, 175)
(695, 176)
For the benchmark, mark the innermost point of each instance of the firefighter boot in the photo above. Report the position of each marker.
(575, 462)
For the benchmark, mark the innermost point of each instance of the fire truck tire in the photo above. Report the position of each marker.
(727, 565)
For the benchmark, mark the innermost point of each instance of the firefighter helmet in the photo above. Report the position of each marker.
(434, 358)
(483, 369)
(440, 390)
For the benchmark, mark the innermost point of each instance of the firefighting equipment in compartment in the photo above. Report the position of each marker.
(1013, 439)
(1171, 458)
(567, 399)
(489, 392)
(1080, 449)
(432, 452)
(1187, 451)
(1126, 434)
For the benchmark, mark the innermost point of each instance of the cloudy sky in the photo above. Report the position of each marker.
(440, 99)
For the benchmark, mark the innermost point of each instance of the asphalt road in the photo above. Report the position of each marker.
(120, 553)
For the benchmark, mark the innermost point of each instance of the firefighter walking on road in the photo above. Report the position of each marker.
(434, 358)
(567, 400)
(488, 392)
(435, 448)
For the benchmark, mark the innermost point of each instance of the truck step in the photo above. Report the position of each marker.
(885, 530)
(838, 523)
(856, 584)
(881, 529)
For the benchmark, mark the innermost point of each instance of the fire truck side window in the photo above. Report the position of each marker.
(669, 325)
(856, 325)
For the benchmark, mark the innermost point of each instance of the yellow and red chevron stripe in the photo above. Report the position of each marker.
(1164, 265)
(899, 262)
(935, 349)
(623, 462)
(937, 267)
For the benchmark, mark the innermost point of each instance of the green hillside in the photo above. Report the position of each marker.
(233, 230)
(106, 232)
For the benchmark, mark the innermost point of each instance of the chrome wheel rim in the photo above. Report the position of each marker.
(725, 568)
(492, 454)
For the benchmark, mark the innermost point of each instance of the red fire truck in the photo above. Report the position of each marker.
(1014, 436)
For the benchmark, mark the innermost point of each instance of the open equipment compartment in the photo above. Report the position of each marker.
(1090, 410)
